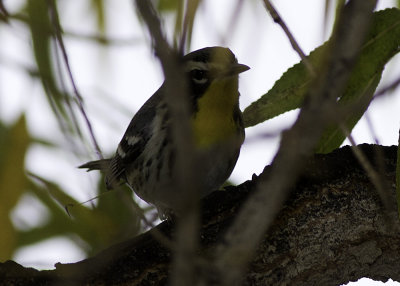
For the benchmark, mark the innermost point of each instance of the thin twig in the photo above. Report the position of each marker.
(388, 88)
(109, 41)
(66, 97)
(371, 128)
(79, 99)
(278, 19)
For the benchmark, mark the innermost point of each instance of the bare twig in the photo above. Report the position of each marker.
(67, 98)
(388, 88)
(101, 39)
(79, 99)
(371, 128)
(278, 19)
(297, 144)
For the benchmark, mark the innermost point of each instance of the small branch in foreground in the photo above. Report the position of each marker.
(175, 95)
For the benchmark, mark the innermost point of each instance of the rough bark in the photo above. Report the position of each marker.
(332, 229)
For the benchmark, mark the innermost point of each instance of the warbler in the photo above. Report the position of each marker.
(146, 153)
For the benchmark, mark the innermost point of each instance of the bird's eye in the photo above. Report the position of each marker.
(199, 76)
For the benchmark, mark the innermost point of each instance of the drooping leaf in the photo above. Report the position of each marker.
(40, 26)
(383, 42)
(101, 223)
(59, 223)
(42, 29)
(14, 142)
(121, 210)
(286, 94)
(289, 91)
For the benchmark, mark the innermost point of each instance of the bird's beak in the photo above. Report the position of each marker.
(236, 69)
(239, 68)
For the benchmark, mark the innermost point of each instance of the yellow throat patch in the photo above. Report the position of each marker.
(214, 122)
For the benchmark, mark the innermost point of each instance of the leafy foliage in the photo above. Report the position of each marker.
(111, 220)
(381, 45)
(290, 90)
(14, 142)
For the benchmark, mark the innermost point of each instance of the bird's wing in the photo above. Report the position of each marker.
(134, 140)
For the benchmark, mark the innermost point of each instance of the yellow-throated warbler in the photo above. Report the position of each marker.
(145, 156)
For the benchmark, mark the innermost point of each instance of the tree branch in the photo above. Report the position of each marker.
(331, 230)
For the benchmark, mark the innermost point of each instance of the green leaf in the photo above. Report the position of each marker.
(109, 221)
(14, 142)
(58, 223)
(169, 5)
(39, 23)
(98, 6)
(382, 44)
(121, 211)
(289, 91)
(41, 32)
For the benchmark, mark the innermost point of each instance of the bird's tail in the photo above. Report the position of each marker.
(101, 165)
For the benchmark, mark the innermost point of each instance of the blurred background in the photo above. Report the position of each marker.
(44, 135)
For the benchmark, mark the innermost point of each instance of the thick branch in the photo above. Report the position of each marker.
(333, 229)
